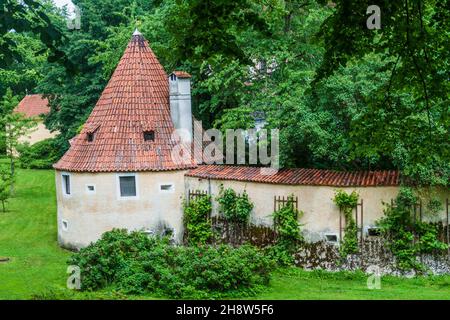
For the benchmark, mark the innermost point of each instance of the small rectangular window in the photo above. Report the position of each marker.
(90, 137)
(331, 237)
(65, 225)
(90, 188)
(127, 186)
(166, 187)
(66, 184)
(149, 135)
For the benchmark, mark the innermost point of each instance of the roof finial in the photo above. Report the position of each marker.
(137, 33)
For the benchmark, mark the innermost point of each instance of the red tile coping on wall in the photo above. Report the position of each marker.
(33, 105)
(135, 99)
(298, 176)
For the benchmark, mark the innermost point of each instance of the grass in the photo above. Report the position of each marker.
(298, 284)
(28, 238)
(38, 266)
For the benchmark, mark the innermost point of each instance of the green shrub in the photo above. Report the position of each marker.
(197, 220)
(41, 155)
(135, 264)
(101, 261)
(280, 254)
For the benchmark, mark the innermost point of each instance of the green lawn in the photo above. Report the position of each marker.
(28, 237)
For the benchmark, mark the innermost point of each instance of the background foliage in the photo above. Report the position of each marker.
(344, 97)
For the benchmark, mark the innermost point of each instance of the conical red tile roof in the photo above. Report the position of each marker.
(135, 100)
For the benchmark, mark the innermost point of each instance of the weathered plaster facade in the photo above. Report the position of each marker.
(321, 215)
(88, 214)
(84, 215)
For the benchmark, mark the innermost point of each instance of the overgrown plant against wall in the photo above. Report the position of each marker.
(289, 237)
(235, 208)
(346, 203)
(407, 237)
(197, 220)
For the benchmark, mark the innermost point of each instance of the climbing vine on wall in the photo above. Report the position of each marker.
(289, 237)
(286, 224)
(405, 236)
(346, 203)
(197, 220)
(235, 208)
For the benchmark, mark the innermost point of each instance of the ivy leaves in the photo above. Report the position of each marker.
(235, 208)
(286, 223)
(346, 203)
(406, 237)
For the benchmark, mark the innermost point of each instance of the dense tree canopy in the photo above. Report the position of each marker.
(343, 96)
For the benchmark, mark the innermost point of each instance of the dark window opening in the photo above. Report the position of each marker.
(90, 137)
(66, 182)
(166, 187)
(127, 186)
(173, 77)
(331, 237)
(149, 135)
(374, 232)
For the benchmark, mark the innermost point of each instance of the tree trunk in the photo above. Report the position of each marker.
(12, 168)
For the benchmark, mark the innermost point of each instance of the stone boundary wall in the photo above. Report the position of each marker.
(373, 252)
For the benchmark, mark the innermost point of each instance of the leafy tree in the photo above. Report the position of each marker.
(6, 181)
(28, 16)
(407, 118)
(15, 126)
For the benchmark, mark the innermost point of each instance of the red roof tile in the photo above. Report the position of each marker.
(135, 100)
(298, 176)
(33, 105)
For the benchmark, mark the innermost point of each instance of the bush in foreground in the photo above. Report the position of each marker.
(136, 264)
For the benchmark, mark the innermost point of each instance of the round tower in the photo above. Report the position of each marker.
(120, 171)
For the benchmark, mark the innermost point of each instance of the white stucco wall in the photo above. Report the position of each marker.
(321, 215)
(90, 214)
